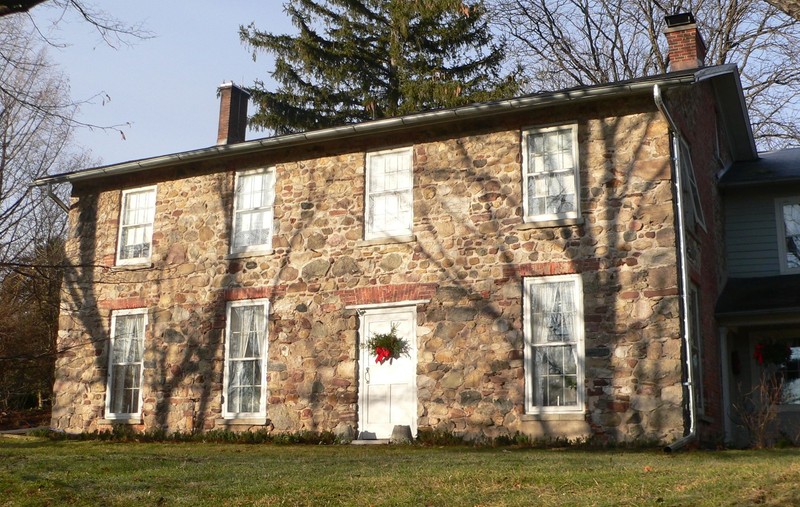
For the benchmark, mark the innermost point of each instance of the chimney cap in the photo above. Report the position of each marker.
(231, 84)
(680, 19)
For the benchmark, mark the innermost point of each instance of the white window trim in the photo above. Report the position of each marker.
(684, 161)
(695, 337)
(135, 260)
(549, 217)
(369, 234)
(263, 247)
(110, 373)
(530, 406)
(261, 414)
(781, 226)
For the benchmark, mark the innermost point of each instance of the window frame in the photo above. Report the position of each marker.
(532, 405)
(270, 208)
(527, 215)
(262, 413)
(370, 232)
(122, 210)
(696, 347)
(781, 230)
(115, 315)
(693, 202)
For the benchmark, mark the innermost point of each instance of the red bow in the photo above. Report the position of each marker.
(382, 354)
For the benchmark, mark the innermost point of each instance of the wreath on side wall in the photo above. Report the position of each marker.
(388, 346)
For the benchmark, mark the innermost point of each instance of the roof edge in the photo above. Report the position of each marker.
(385, 125)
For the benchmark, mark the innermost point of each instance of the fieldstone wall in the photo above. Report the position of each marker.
(469, 257)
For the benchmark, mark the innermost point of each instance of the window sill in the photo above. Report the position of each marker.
(248, 421)
(555, 416)
(387, 240)
(122, 420)
(561, 222)
(249, 253)
(132, 266)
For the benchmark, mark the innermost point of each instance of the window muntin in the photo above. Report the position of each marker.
(691, 194)
(550, 173)
(253, 210)
(554, 344)
(696, 344)
(389, 206)
(124, 387)
(245, 359)
(137, 214)
(790, 375)
(788, 211)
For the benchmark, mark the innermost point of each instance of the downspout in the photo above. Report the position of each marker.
(684, 275)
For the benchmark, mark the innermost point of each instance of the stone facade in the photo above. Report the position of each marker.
(465, 266)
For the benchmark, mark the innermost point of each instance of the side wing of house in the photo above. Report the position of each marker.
(760, 306)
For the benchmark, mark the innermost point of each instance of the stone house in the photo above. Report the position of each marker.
(553, 260)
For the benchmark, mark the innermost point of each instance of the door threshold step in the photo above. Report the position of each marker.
(373, 441)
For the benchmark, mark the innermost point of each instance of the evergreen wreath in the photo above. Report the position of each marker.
(388, 346)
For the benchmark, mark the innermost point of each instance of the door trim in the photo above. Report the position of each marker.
(386, 309)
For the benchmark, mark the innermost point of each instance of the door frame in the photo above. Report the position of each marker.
(388, 309)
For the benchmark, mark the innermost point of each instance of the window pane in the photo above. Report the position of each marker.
(790, 393)
(556, 380)
(125, 365)
(551, 173)
(244, 361)
(252, 222)
(390, 199)
(791, 221)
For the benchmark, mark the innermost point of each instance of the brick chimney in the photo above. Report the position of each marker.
(232, 113)
(686, 47)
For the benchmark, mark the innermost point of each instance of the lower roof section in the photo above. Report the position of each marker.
(760, 300)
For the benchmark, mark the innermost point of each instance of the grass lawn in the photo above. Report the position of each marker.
(42, 472)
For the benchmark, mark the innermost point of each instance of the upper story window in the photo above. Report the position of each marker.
(245, 381)
(691, 195)
(389, 204)
(253, 210)
(554, 344)
(788, 212)
(124, 387)
(136, 225)
(550, 173)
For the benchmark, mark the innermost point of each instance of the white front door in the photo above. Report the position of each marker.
(388, 392)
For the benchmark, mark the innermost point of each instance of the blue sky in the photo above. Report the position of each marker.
(164, 86)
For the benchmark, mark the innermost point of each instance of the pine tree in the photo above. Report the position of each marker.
(357, 60)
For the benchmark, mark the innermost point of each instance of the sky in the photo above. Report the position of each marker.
(164, 87)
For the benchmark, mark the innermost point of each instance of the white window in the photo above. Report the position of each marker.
(550, 173)
(788, 212)
(696, 344)
(691, 195)
(554, 344)
(389, 194)
(245, 359)
(136, 225)
(124, 386)
(253, 210)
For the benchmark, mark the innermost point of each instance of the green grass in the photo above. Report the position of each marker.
(37, 471)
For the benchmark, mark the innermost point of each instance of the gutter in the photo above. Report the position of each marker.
(382, 126)
(684, 277)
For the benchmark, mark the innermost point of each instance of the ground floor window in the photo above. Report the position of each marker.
(554, 378)
(124, 387)
(245, 359)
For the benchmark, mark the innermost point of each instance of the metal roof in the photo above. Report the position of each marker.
(771, 168)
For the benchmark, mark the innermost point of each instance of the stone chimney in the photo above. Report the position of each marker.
(686, 47)
(232, 114)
